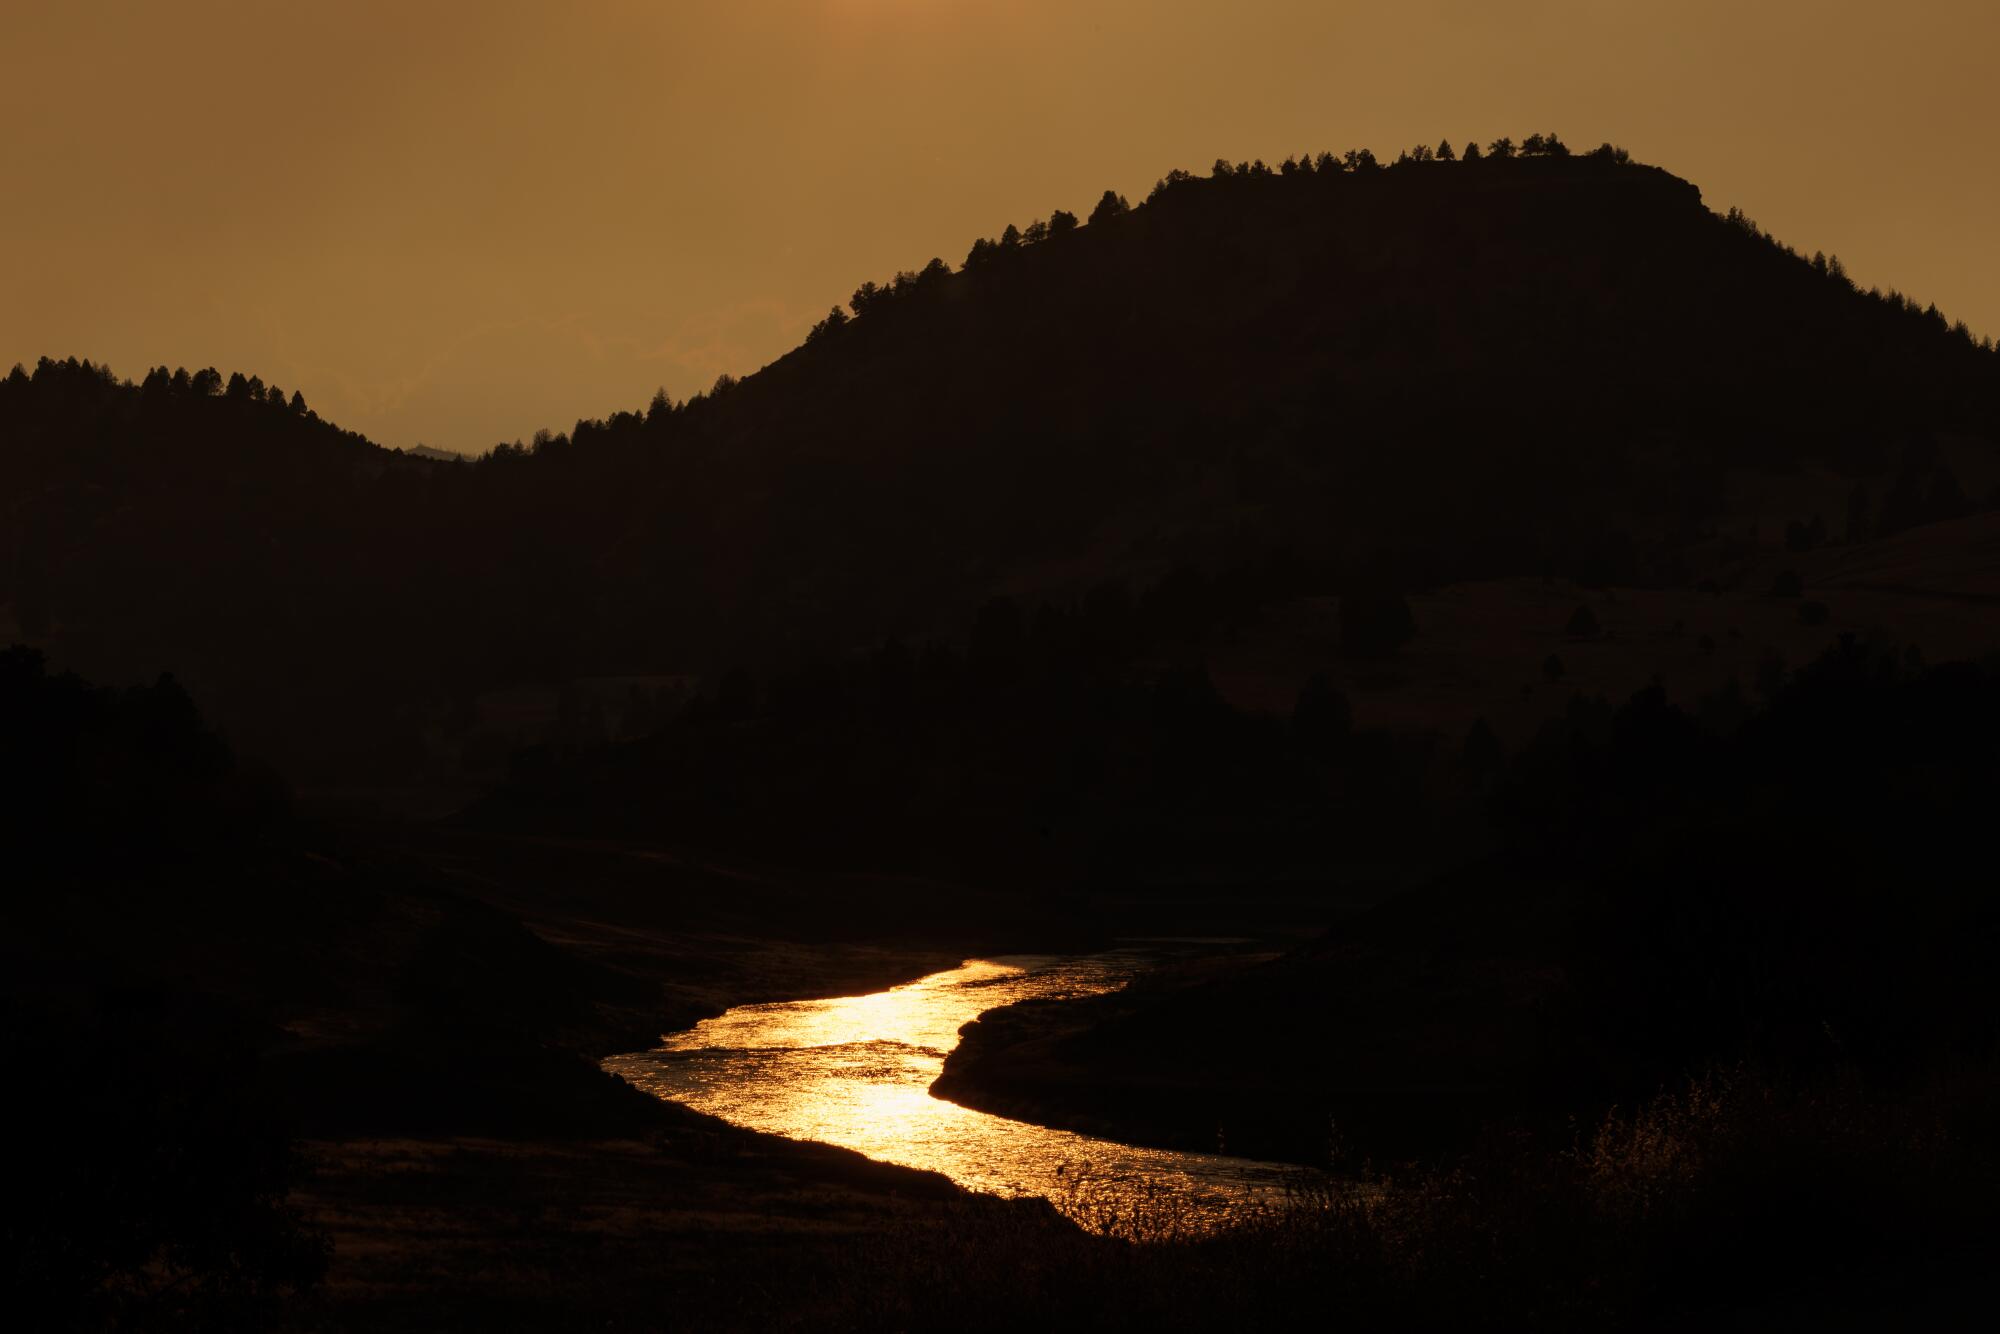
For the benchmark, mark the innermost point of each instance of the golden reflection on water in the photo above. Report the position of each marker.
(856, 1071)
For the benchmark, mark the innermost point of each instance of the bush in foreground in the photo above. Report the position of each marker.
(1733, 1190)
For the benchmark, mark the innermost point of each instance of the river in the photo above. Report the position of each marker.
(856, 1071)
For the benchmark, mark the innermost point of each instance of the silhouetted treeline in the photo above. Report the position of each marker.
(1449, 366)
(1065, 745)
(91, 775)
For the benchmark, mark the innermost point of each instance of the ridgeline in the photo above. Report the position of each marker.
(1393, 376)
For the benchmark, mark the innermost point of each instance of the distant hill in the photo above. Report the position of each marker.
(1383, 376)
(1426, 372)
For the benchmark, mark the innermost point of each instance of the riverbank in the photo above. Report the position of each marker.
(383, 1044)
(1395, 1035)
(1067, 1064)
(571, 1200)
(480, 1170)
(1737, 1199)
(678, 1219)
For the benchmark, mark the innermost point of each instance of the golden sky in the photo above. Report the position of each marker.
(455, 223)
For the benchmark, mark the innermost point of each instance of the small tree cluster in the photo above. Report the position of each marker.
(874, 296)
(1059, 224)
(159, 382)
(1830, 268)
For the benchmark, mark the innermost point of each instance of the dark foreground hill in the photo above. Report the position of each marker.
(1374, 376)
(183, 999)
(276, 1075)
(1798, 888)
(1716, 1019)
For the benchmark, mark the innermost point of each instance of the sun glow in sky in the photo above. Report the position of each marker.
(457, 222)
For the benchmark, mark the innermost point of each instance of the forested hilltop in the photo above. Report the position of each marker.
(1559, 613)
(1460, 365)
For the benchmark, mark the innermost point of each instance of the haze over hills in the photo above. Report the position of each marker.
(1384, 377)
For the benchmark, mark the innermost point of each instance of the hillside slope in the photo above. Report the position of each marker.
(1430, 372)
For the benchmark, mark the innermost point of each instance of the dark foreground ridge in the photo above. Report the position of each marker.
(1671, 892)
(281, 1074)
(282, 1079)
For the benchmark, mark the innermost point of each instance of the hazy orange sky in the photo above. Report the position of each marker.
(455, 223)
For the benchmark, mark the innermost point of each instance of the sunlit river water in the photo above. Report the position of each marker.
(856, 1071)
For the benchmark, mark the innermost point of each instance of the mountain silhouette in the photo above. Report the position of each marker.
(1394, 376)
(1554, 614)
